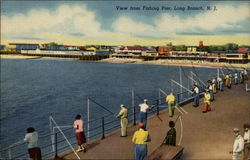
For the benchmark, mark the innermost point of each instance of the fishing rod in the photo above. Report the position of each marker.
(102, 106)
(177, 118)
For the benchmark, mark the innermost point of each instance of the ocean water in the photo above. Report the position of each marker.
(34, 89)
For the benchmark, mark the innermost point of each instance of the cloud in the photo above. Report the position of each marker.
(74, 23)
(64, 20)
(127, 25)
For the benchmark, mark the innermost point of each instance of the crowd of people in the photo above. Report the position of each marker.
(141, 137)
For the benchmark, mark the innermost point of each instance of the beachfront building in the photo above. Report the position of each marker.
(149, 52)
(56, 47)
(24, 46)
(245, 50)
(74, 48)
(130, 50)
(106, 48)
(164, 50)
(202, 48)
(91, 49)
(2, 47)
(237, 57)
(191, 48)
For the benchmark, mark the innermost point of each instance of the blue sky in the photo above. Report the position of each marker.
(100, 21)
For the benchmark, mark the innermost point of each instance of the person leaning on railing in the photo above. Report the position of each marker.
(80, 136)
(206, 102)
(171, 104)
(31, 138)
(144, 107)
(196, 95)
(123, 115)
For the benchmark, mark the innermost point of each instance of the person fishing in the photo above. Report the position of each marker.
(123, 115)
(220, 83)
(31, 138)
(235, 78)
(196, 95)
(206, 101)
(210, 88)
(143, 112)
(79, 133)
(171, 104)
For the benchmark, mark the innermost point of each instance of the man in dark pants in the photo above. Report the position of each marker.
(196, 96)
(246, 141)
(143, 112)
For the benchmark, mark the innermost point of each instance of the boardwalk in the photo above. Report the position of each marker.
(205, 135)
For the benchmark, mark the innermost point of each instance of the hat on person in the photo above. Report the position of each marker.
(246, 126)
(145, 100)
(171, 124)
(236, 130)
(140, 125)
(122, 105)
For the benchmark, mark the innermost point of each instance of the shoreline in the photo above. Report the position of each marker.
(184, 63)
(165, 62)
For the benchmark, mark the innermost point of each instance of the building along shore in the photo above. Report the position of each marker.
(188, 63)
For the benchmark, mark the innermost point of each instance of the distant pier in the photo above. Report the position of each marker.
(80, 57)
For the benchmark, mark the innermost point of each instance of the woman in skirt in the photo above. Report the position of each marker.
(80, 136)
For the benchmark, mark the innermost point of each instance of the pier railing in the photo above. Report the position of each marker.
(100, 128)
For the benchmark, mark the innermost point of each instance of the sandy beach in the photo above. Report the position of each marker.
(14, 56)
(187, 63)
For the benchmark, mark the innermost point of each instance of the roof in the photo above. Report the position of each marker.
(192, 46)
(243, 50)
(133, 48)
(167, 47)
(203, 47)
(23, 44)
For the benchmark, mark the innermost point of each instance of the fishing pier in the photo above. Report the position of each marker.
(199, 135)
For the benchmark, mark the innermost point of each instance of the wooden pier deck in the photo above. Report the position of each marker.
(205, 135)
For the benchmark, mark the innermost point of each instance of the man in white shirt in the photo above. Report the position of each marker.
(246, 142)
(235, 78)
(143, 112)
(238, 145)
(31, 138)
(196, 96)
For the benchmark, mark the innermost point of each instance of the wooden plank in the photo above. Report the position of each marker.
(167, 152)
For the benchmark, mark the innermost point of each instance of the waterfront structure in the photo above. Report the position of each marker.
(22, 46)
(58, 52)
(150, 52)
(191, 48)
(245, 50)
(236, 57)
(130, 50)
(106, 48)
(164, 50)
(91, 49)
(201, 47)
(2, 47)
(74, 48)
